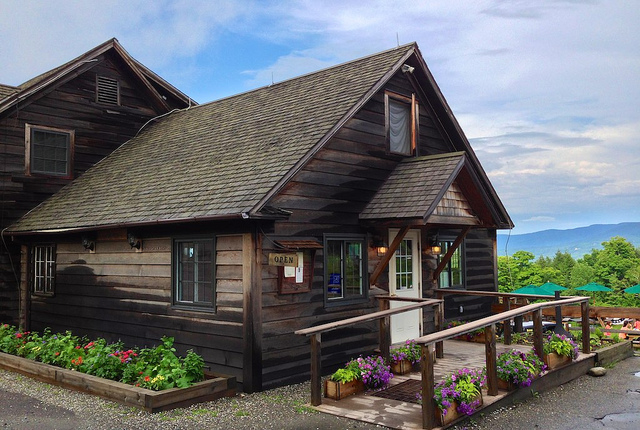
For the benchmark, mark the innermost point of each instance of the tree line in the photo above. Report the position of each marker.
(616, 265)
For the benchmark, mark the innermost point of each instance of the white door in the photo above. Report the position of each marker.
(405, 280)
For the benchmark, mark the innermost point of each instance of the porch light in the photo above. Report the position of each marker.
(88, 244)
(381, 247)
(434, 247)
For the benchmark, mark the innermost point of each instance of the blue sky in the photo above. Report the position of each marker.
(547, 91)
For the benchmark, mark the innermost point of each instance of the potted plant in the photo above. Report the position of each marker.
(559, 350)
(515, 368)
(474, 336)
(403, 358)
(375, 373)
(459, 394)
(344, 382)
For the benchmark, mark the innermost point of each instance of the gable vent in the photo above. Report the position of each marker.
(107, 90)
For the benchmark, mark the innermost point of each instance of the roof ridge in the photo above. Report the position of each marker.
(406, 46)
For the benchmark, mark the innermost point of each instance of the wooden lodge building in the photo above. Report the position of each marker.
(231, 224)
(58, 124)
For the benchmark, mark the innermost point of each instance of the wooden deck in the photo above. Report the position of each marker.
(406, 415)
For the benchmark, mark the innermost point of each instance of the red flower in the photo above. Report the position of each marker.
(146, 378)
(78, 347)
(57, 354)
(18, 335)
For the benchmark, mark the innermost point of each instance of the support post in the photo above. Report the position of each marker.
(491, 359)
(507, 324)
(440, 326)
(537, 333)
(316, 377)
(586, 332)
(385, 333)
(428, 404)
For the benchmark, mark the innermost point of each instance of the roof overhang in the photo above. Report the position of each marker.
(436, 190)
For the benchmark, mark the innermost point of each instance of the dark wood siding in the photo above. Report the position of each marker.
(326, 196)
(480, 274)
(118, 293)
(99, 129)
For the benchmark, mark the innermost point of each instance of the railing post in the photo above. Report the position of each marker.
(586, 332)
(439, 326)
(385, 333)
(491, 359)
(428, 407)
(537, 333)
(316, 370)
(507, 324)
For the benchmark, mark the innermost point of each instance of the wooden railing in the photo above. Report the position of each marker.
(384, 315)
(489, 325)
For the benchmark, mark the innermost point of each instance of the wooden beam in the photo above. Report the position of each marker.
(439, 327)
(507, 323)
(385, 332)
(586, 333)
(316, 372)
(382, 264)
(491, 359)
(252, 313)
(447, 257)
(428, 404)
(537, 333)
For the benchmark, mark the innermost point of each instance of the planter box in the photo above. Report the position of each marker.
(554, 361)
(340, 390)
(452, 414)
(403, 367)
(506, 385)
(152, 401)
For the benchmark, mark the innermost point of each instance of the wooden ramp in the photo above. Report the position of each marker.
(401, 412)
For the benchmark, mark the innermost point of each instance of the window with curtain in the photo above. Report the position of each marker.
(399, 127)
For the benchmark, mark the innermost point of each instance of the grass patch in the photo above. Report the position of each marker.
(241, 413)
(302, 408)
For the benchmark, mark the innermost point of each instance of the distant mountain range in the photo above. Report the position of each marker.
(576, 241)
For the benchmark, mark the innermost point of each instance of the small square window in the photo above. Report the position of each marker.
(194, 275)
(49, 151)
(43, 269)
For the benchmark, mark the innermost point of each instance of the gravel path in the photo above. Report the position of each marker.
(27, 404)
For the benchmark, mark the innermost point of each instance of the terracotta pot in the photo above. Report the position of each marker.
(340, 390)
(553, 360)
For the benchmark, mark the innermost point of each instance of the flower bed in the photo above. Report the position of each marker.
(405, 357)
(370, 372)
(515, 368)
(65, 359)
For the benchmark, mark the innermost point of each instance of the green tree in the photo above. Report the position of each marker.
(518, 271)
(613, 265)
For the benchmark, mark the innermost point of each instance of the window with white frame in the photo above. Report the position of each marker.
(49, 151)
(43, 269)
(194, 278)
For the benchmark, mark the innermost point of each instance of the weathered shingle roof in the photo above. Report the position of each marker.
(415, 187)
(85, 62)
(219, 159)
(6, 90)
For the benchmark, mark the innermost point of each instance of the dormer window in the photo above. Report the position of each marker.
(401, 123)
(49, 151)
(107, 90)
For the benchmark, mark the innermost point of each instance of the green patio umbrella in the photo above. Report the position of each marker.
(550, 286)
(594, 286)
(633, 290)
(532, 289)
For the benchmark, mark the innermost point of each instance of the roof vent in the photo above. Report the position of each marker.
(107, 90)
